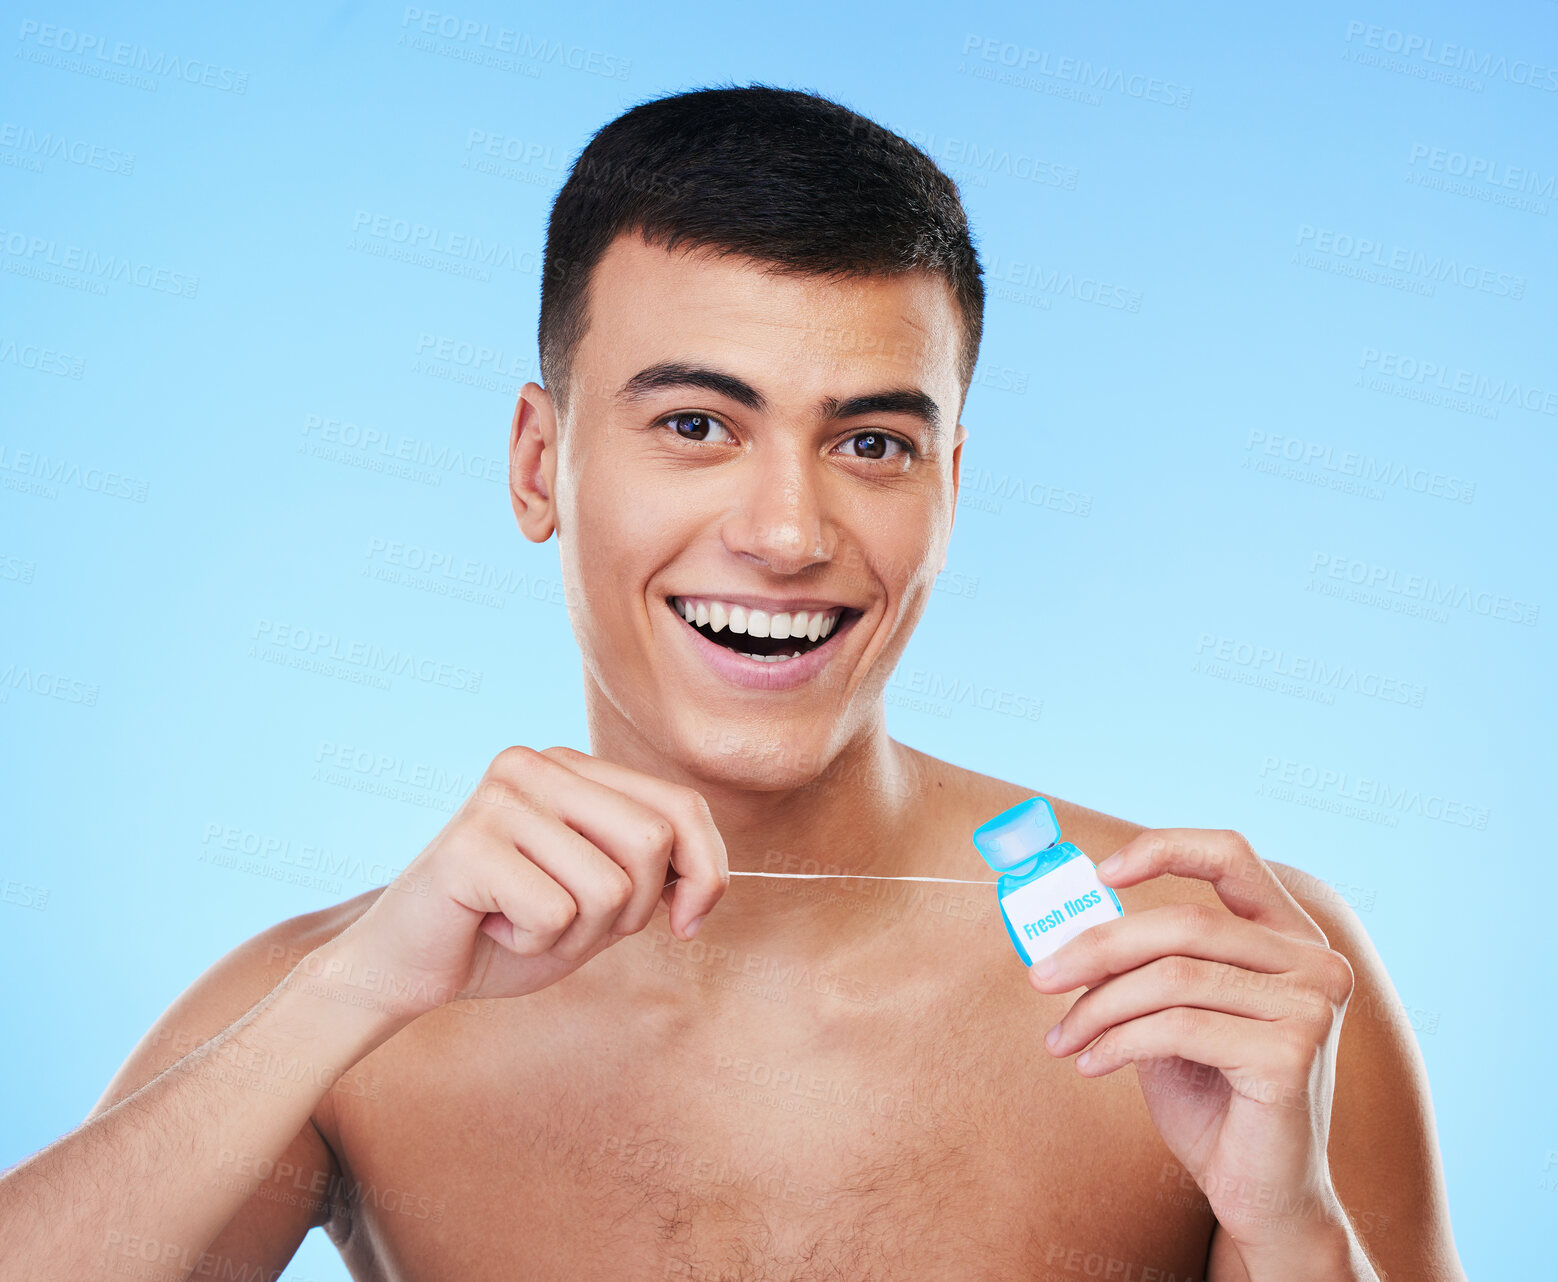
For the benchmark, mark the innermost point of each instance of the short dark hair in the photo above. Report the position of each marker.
(782, 176)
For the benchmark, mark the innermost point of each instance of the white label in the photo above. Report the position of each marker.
(1059, 906)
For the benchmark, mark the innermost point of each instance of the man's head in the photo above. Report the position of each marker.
(787, 178)
(760, 316)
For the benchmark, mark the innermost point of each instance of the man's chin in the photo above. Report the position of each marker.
(755, 759)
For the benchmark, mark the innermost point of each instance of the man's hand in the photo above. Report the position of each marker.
(1232, 1019)
(554, 857)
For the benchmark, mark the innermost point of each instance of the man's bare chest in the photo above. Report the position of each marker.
(807, 1144)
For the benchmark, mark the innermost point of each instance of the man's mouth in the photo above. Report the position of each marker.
(768, 637)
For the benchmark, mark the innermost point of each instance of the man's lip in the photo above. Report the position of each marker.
(737, 669)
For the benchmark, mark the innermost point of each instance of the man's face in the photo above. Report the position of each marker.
(711, 460)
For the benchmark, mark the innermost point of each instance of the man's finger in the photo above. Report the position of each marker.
(697, 852)
(1202, 931)
(1224, 859)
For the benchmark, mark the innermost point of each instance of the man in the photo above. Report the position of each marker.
(760, 317)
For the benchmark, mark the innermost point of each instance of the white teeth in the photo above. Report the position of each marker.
(707, 612)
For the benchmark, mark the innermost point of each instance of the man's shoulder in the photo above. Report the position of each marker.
(969, 798)
(228, 988)
(1332, 911)
(1383, 1153)
(274, 951)
(257, 964)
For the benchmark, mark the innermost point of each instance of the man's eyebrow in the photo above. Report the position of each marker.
(901, 400)
(655, 378)
(676, 374)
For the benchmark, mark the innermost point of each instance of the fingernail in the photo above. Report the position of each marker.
(1045, 969)
(1051, 1037)
(1111, 864)
(1083, 1058)
(692, 926)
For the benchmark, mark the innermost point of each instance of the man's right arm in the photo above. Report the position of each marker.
(215, 1103)
(554, 857)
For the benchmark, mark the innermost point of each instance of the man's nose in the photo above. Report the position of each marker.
(781, 517)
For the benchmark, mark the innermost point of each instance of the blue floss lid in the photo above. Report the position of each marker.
(1016, 835)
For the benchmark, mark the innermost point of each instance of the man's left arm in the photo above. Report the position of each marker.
(1383, 1148)
(1274, 1059)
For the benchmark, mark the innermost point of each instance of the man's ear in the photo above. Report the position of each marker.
(957, 474)
(533, 463)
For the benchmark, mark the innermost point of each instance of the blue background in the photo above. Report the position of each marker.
(1156, 553)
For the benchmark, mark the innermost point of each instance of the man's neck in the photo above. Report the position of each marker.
(861, 813)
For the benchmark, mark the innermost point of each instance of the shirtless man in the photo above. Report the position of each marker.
(566, 1044)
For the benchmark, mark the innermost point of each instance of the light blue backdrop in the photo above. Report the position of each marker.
(1257, 526)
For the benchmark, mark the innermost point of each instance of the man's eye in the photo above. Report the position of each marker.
(694, 427)
(874, 445)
